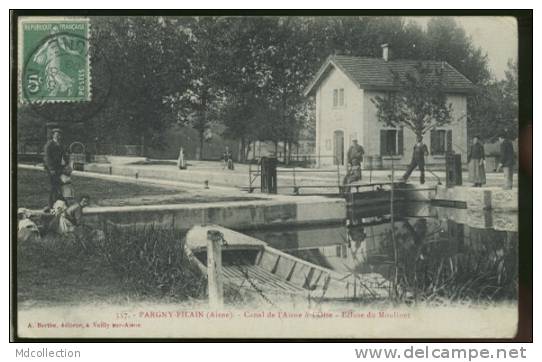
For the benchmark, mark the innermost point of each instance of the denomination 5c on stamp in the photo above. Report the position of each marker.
(54, 60)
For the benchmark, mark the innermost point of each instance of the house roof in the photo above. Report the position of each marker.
(378, 74)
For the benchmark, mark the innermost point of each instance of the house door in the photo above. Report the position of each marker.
(338, 147)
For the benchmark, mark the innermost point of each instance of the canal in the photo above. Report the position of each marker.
(431, 253)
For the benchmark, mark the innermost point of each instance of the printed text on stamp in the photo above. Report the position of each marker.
(55, 60)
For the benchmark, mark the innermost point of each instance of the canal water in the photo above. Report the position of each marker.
(433, 253)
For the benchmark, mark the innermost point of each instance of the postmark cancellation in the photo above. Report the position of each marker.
(54, 60)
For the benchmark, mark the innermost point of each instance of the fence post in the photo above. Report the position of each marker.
(296, 190)
(214, 269)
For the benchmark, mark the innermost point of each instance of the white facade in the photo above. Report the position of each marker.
(356, 117)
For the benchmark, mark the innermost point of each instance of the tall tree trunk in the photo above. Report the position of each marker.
(254, 151)
(142, 145)
(247, 150)
(276, 148)
(203, 125)
(201, 136)
(284, 158)
(242, 150)
(289, 151)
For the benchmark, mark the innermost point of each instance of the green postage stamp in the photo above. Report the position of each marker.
(54, 60)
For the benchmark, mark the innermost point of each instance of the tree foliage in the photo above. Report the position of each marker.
(447, 41)
(494, 107)
(248, 74)
(147, 55)
(419, 104)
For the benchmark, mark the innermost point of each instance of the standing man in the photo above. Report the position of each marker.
(418, 159)
(354, 158)
(228, 159)
(54, 163)
(506, 161)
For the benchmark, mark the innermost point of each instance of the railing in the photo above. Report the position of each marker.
(253, 175)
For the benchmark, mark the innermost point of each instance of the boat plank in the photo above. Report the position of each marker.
(240, 274)
(261, 276)
(274, 278)
(267, 277)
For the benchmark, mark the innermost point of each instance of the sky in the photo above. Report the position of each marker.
(497, 36)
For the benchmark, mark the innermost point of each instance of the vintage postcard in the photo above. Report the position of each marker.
(266, 177)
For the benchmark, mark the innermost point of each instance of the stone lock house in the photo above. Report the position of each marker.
(343, 89)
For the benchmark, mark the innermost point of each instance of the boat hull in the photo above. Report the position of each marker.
(251, 264)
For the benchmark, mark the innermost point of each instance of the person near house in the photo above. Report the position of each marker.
(418, 160)
(476, 162)
(181, 163)
(506, 160)
(228, 159)
(54, 164)
(354, 157)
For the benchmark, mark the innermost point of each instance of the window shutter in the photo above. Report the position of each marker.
(433, 142)
(383, 148)
(449, 146)
(335, 97)
(400, 150)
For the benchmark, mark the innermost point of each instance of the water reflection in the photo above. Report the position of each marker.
(436, 258)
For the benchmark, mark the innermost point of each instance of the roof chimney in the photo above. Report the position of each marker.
(385, 51)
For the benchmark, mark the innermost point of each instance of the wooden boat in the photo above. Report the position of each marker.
(252, 264)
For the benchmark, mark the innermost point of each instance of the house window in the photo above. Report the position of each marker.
(441, 141)
(338, 97)
(391, 142)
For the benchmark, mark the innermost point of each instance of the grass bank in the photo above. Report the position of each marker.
(33, 192)
(114, 266)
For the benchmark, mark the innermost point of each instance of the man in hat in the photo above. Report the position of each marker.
(354, 157)
(53, 159)
(506, 160)
(418, 160)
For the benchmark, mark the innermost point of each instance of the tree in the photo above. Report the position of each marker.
(419, 104)
(199, 102)
(30, 128)
(146, 58)
(246, 82)
(495, 107)
(446, 41)
(290, 73)
(510, 104)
